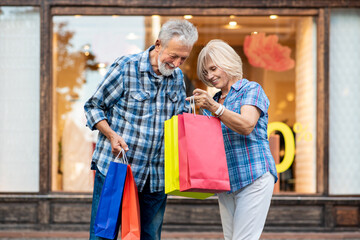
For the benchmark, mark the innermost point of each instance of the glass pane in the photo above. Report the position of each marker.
(19, 99)
(83, 48)
(344, 102)
(279, 53)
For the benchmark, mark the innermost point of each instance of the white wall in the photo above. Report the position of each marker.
(19, 99)
(344, 163)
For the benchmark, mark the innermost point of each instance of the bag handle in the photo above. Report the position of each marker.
(192, 104)
(123, 158)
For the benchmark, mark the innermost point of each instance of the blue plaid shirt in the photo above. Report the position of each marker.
(136, 102)
(248, 157)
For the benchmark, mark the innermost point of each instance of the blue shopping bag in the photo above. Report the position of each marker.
(108, 216)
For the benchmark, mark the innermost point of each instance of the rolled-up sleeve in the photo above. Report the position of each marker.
(106, 95)
(254, 95)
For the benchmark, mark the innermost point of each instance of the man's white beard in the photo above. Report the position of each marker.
(162, 68)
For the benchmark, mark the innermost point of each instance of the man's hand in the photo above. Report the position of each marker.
(117, 142)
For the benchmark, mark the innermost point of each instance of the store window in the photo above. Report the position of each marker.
(19, 99)
(344, 165)
(83, 49)
(278, 52)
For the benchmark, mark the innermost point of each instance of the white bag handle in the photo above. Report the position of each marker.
(192, 104)
(123, 158)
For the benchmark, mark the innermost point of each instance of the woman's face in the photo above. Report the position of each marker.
(216, 76)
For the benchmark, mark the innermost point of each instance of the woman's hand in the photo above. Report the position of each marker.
(243, 123)
(204, 100)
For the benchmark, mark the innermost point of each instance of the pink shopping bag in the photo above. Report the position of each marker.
(202, 159)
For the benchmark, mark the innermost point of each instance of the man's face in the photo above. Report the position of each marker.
(172, 56)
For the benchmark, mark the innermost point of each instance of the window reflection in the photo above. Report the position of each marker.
(83, 48)
(278, 53)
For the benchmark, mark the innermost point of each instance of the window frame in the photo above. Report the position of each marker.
(48, 9)
(322, 88)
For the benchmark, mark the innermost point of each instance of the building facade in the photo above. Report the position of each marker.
(305, 54)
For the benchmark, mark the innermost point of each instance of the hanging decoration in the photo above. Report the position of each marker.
(265, 52)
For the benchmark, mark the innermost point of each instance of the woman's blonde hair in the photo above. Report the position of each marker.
(223, 56)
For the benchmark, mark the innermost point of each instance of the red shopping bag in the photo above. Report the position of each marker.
(202, 159)
(130, 215)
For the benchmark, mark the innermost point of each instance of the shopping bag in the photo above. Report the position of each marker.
(172, 185)
(202, 159)
(130, 214)
(107, 219)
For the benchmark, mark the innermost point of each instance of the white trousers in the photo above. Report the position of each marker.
(243, 213)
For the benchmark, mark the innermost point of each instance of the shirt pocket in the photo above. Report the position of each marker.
(235, 103)
(172, 107)
(172, 96)
(138, 103)
(140, 95)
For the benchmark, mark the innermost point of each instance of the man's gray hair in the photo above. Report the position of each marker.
(182, 30)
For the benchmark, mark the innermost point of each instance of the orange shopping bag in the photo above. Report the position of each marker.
(130, 215)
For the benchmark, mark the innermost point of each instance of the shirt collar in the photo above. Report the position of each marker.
(239, 84)
(145, 65)
(236, 86)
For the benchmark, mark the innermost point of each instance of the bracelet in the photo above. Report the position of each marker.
(222, 111)
(218, 111)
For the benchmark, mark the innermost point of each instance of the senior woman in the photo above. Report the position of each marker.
(242, 107)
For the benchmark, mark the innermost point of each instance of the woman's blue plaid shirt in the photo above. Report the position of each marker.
(136, 102)
(248, 157)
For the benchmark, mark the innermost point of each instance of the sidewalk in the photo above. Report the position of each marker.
(32, 235)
